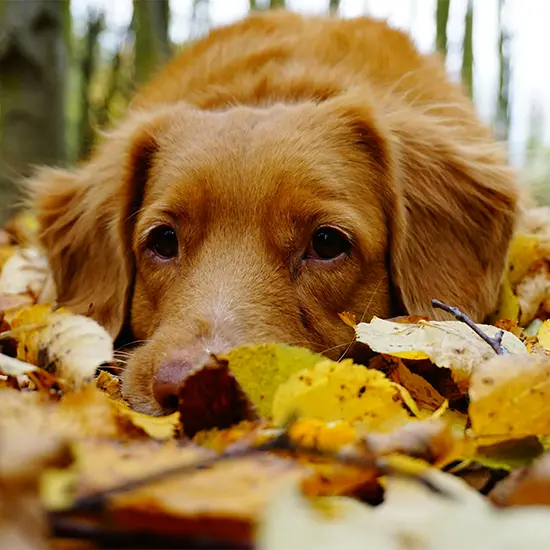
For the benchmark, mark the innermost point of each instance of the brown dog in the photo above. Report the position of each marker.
(280, 171)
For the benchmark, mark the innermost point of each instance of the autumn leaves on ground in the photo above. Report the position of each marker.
(439, 443)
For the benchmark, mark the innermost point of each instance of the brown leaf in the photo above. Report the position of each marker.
(526, 487)
(430, 440)
(211, 397)
(425, 395)
(224, 501)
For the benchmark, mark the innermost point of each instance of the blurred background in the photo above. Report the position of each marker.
(69, 67)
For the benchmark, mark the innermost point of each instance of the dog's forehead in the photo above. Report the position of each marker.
(244, 157)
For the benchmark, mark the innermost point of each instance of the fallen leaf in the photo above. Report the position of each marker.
(449, 344)
(531, 293)
(530, 487)
(543, 335)
(431, 440)
(110, 384)
(23, 228)
(210, 397)
(423, 393)
(261, 369)
(221, 502)
(348, 318)
(411, 517)
(25, 271)
(14, 367)
(340, 391)
(70, 346)
(524, 251)
(510, 398)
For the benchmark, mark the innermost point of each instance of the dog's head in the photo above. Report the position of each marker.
(202, 231)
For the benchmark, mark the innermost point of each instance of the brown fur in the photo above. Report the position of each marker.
(246, 142)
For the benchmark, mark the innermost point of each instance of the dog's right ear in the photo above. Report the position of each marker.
(85, 221)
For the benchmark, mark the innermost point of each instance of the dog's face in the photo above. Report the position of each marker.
(202, 231)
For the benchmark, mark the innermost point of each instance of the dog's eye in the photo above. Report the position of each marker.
(328, 243)
(163, 242)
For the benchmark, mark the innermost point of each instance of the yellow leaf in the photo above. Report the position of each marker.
(69, 346)
(508, 306)
(348, 318)
(543, 335)
(510, 398)
(523, 252)
(322, 436)
(340, 391)
(261, 369)
(449, 344)
(156, 427)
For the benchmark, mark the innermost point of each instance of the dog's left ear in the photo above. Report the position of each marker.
(451, 203)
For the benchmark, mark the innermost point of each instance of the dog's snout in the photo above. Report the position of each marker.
(168, 380)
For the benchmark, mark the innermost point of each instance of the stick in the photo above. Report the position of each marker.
(495, 342)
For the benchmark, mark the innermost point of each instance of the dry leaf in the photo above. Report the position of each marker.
(70, 346)
(23, 228)
(449, 344)
(431, 440)
(14, 367)
(524, 251)
(510, 398)
(220, 502)
(411, 517)
(424, 394)
(531, 293)
(340, 391)
(261, 369)
(210, 397)
(25, 271)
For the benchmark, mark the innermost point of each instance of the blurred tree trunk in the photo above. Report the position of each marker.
(502, 126)
(276, 4)
(88, 67)
(34, 47)
(441, 20)
(152, 44)
(252, 5)
(334, 6)
(467, 72)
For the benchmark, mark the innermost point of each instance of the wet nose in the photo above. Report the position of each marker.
(167, 382)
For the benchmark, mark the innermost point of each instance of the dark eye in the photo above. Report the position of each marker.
(328, 243)
(163, 242)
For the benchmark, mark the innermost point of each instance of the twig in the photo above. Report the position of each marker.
(494, 341)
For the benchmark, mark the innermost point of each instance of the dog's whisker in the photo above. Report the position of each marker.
(373, 295)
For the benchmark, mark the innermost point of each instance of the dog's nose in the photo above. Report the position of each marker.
(167, 382)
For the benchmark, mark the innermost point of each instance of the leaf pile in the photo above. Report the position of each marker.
(438, 443)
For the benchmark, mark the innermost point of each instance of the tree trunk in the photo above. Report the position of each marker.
(252, 5)
(276, 4)
(441, 20)
(502, 126)
(88, 67)
(152, 45)
(334, 6)
(34, 48)
(467, 72)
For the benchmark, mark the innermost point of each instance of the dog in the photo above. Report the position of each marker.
(273, 175)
